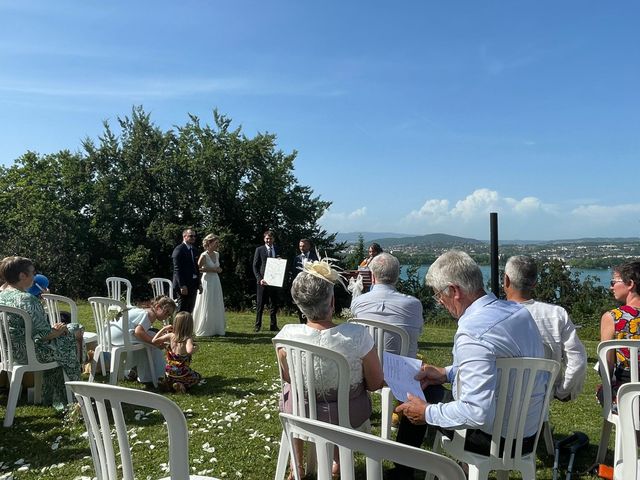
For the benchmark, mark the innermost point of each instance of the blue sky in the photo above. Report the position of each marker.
(411, 117)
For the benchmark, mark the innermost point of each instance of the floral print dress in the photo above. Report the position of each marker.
(178, 369)
(61, 349)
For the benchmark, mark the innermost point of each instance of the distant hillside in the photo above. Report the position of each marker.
(435, 239)
(352, 237)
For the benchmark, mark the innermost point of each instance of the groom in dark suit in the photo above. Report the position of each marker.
(306, 255)
(186, 277)
(265, 292)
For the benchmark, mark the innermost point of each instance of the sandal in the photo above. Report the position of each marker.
(179, 388)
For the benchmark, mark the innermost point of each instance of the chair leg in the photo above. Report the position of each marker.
(15, 388)
(37, 388)
(604, 441)
(437, 448)
(283, 457)
(502, 474)
(386, 402)
(154, 374)
(115, 367)
(476, 473)
(548, 438)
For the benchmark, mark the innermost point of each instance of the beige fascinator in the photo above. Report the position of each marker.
(324, 269)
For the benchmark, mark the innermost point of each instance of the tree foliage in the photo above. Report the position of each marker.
(118, 206)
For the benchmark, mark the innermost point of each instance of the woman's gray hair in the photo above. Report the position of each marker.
(455, 268)
(313, 296)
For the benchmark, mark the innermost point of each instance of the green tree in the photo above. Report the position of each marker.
(355, 256)
(118, 207)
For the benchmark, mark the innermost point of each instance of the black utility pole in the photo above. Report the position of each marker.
(495, 270)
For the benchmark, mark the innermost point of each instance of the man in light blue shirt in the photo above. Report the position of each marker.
(488, 329)
(386, 304)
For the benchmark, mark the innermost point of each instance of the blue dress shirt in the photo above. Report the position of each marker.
(489, 329)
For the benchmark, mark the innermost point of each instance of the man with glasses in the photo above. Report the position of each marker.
(488, 329)
(186, 276)
(557, 329)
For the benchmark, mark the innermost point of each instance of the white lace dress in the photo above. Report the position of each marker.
(208, 313)
(354, 342)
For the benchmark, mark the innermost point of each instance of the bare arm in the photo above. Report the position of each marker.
(163, 336)
(373, 376)
(191, 346)
(607, 332)
(282, 359)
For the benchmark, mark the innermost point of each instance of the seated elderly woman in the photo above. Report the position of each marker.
(57, 343)
(140, 331)
(312, 291)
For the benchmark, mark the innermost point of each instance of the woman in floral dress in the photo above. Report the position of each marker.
(57, 343)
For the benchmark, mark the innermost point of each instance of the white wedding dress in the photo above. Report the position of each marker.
(208, 313)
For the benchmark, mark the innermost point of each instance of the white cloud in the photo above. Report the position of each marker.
(339, 221)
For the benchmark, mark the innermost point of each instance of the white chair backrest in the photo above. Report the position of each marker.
(603, 349)
(628, 409)
(54, 304)
(376, 449)
(301, 358)
(117, 287)
(519, 377)
(7, 361)
(162, 286)
(103, 318)
(93, 397)
(379, 330)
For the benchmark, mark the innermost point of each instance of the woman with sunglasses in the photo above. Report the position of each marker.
(623, 322)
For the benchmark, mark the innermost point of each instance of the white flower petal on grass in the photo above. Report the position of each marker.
(55, 445)
(207, 448)
(213, 460)
(267, 416)
(23, 468)
(85, 468)
(20, 461)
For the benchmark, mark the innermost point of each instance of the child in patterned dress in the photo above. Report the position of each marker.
(180, 347)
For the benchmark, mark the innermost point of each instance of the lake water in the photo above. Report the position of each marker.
(603, 276)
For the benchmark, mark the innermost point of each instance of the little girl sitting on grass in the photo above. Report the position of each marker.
(179, 347)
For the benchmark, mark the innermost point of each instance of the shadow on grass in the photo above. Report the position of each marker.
(262, 337)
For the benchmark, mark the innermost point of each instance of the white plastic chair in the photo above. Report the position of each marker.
(378, 330)
(609, 416)
(628, 467)
(93, 397)
(519, 375)
(376, 449)
(100, 307)
(53, 305)
(300, 360)
(117, 287)
(162, 286)
(16, 370)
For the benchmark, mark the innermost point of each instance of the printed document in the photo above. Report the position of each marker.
(399, 373)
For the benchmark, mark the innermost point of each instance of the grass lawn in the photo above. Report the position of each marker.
(233, 417)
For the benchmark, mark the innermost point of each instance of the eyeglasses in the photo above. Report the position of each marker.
(437, 297)
(613, 282)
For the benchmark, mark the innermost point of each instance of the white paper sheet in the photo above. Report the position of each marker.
(274, 271)
(399, 373)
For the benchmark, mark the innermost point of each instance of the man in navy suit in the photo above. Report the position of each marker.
(265, 292)
(306, 255)
(186, 277)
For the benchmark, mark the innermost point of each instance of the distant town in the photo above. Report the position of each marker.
(579, 253)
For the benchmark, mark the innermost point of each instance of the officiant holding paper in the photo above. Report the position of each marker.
(266, 291)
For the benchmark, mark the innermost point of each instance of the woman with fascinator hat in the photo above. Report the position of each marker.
(313, 292)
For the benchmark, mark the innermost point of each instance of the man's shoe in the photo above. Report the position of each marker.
(256, 329)
(274, 329)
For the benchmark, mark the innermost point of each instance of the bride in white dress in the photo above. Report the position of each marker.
(208, 314)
